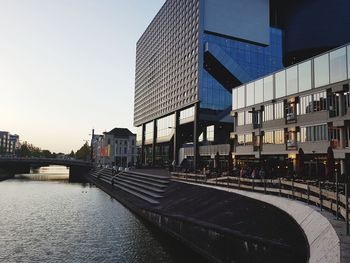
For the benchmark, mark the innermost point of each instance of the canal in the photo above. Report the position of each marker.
(44, 218)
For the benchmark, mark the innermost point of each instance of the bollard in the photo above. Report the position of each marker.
(320, 196)
(347, 209)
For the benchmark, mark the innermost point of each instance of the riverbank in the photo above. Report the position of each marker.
(221, 226)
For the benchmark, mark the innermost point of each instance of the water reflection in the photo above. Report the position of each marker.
(45, 220)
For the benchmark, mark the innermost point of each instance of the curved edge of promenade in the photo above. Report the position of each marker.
(222, 226)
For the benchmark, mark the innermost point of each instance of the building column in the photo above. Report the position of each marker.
(342, 166)
(154, 142)
(195, 138)
(143, 161)
(176, 137)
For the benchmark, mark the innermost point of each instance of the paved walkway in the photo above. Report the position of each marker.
(326, 235)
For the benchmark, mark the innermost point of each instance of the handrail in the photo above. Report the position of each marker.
(324, 198)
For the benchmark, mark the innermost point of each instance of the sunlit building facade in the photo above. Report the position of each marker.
(195, 52)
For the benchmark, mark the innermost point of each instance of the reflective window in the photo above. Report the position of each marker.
(268, 137)
(240, 118)
(279, 136)
(321, 70)
(338, 65)
(304, 76)
(165, 127)
(248, 118)
(268, 113)
(234, 99)
(268, 88)
(149, 132)
(280, 84)
(292, 80)
(250, 91)
(186, 115)
(279, 110)
(241, 97)
(313, 133)
(138, 135)
(259, 91)
(210, 133)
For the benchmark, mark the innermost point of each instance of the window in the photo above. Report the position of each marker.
(248, 118)
(292, 80)
(280, 87)
(210, 133)
(305, 104)
(268, 88)
(313, 133)
(244, 139)
(321, 70)
(268, 137)
(240, 118)
(268, 113)
(279, 136)
(338, 65)
(279, 111)
(319, 101)
(304, 76)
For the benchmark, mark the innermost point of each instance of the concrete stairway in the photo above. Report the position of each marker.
(147, 187)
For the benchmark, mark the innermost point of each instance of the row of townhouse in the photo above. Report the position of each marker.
(117, 147)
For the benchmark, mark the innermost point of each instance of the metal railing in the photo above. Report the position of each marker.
(333, 197)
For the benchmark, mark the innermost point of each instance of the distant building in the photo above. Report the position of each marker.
(8, 142)
(117, 147)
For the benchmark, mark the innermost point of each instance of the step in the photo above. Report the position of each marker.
(143, 197)
(138, 189)
(155, 180)
(131, 178)
(148, 175)
(144, 186)
(135, 193)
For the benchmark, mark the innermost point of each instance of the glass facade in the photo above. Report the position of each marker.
(255, 60)
(165, 128)
(328, 68)
(149, 132)
(321, 70)
(338, 65)
(313, 133)
(186, 115)
(304, 76)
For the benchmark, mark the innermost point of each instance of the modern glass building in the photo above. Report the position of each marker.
(190, 58)
(303, 107)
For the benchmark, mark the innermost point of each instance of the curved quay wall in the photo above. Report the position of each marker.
(323, 239)
(216, 243)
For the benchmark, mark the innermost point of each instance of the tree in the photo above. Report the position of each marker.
(72, 154)
(84, 152)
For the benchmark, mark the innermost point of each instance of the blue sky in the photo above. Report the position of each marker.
(67, 66)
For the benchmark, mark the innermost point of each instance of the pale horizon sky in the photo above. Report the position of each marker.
(67, 66)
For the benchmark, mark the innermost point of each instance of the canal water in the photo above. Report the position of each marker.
(44, 218)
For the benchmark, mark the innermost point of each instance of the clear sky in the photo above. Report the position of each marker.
(67, 66)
